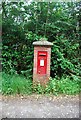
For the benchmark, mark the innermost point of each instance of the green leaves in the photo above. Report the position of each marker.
(25, 23)
(66, 86)
(63, 56)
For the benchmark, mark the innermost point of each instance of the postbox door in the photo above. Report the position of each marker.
(42, 62)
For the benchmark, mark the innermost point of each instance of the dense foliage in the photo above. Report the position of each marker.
(24, 23)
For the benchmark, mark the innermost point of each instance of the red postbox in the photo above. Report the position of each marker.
(41, 68)
(42, 62)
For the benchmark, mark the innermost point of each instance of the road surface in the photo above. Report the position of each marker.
(39, 106)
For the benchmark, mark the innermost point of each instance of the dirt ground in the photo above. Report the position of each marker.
(39, 106)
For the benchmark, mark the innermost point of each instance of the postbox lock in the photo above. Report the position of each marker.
(39, 72)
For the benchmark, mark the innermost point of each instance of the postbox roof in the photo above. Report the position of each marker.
(44, 42)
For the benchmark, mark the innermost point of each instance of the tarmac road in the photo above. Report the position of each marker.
(40, 106)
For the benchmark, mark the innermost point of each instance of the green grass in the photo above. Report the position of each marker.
(15, 84)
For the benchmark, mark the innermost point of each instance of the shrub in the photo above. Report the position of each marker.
(65, 85)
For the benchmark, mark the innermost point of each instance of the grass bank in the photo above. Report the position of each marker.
(15, 84)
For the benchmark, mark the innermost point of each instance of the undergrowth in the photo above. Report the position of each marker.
(15, 84)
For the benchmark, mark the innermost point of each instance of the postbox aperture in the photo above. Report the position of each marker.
(42, 62)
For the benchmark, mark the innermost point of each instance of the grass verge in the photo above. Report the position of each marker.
(15, 84)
